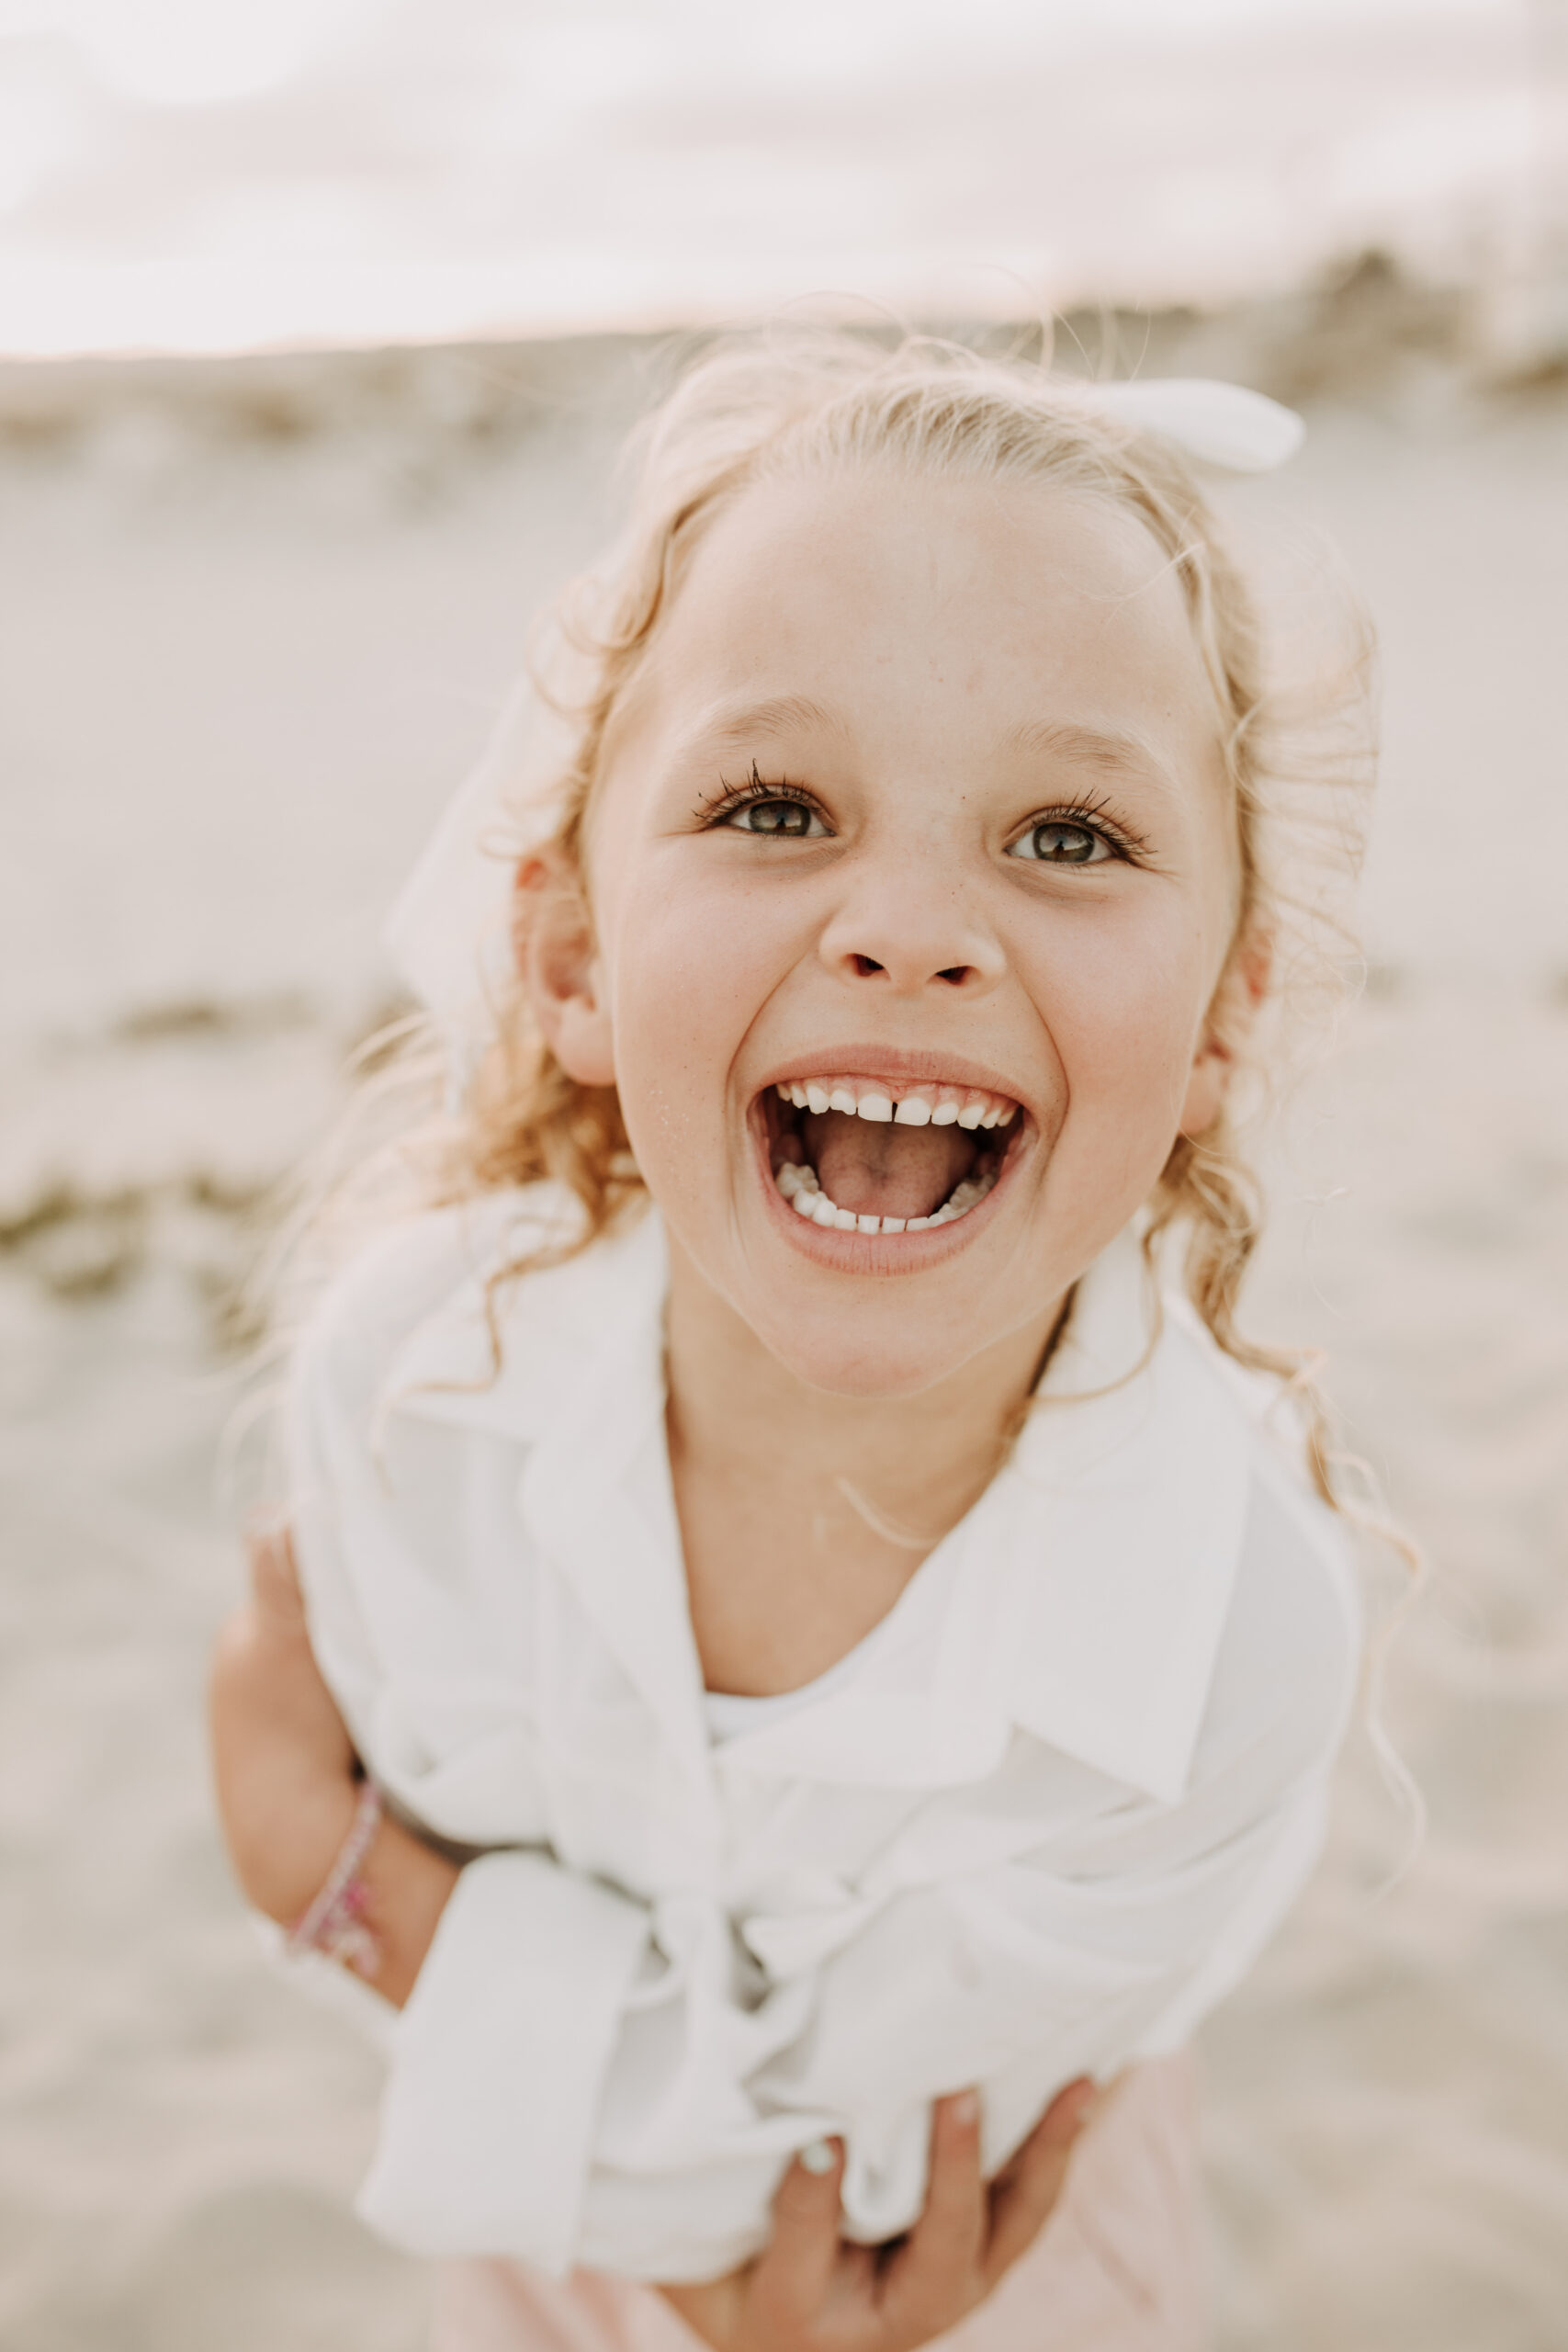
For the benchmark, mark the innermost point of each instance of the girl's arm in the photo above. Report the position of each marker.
(285, 1772)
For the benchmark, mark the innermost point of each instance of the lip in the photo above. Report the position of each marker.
(886, 1253)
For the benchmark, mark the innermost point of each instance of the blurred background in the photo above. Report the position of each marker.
(320, 321)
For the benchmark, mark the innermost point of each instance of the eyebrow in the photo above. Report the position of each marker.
(1090, 747)
(733, 724)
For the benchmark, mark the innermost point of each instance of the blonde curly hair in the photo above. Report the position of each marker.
(781, 404)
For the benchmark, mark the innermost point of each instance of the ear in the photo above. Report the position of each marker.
(553, 937)
(1232, 1012)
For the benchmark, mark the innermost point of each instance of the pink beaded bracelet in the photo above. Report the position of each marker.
(336, 1922)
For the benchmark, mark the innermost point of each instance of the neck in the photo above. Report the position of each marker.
(908, 1466)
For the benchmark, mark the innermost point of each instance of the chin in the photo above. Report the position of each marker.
(870, 1351)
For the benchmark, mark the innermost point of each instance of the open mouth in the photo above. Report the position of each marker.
(866, 1157)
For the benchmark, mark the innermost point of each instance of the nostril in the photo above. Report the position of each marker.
(955, 974)
(865, 966)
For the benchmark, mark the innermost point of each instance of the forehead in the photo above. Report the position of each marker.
(946, 607)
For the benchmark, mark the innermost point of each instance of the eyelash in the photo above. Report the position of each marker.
(1093, 816)
(730, 797)
(1090, 814)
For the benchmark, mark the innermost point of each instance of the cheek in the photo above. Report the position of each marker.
(689, 971)
(1125, 996)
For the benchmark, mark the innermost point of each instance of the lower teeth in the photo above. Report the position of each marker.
(805, 1196)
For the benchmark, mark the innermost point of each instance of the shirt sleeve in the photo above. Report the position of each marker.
(499, 2061)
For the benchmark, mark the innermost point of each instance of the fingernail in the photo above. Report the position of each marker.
(817, 2157)
(965, 2110)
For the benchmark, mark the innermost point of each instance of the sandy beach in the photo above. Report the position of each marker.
(254, 619)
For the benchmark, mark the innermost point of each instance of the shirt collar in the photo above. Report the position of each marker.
(1084, 1598)
(1121, 1533)
(550, 1327)
(581, 1385)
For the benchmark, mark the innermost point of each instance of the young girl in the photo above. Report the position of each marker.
(849, 1659)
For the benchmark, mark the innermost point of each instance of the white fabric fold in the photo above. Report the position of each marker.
(1218, 424)
(525, 1985)
(1045, 1818)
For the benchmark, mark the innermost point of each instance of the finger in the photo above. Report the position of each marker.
(789, 2283)
(1024, 2196)
(937, 2269)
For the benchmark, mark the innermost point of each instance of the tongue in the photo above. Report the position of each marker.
(880, 1169)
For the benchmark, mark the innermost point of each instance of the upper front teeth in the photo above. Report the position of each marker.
(914, 1106)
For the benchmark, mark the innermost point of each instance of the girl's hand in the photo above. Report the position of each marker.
(285, 1769)
(813, 2291)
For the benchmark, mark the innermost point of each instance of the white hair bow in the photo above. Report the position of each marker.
(1218, 424)
(447, 932)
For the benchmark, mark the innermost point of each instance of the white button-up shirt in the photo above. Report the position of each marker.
(1033, 1827)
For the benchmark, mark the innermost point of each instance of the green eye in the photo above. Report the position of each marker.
(1057, 841)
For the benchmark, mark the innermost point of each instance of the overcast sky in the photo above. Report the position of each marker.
(215, 174)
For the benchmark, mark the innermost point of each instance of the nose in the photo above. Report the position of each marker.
(911, 927)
